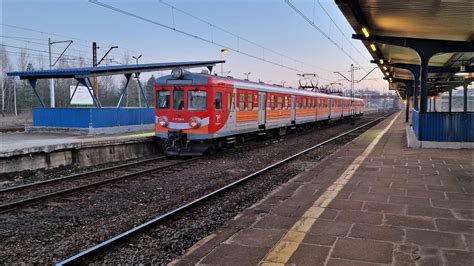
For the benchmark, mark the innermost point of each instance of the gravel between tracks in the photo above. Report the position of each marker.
(49, 234)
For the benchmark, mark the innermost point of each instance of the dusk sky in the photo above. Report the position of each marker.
(272, 24)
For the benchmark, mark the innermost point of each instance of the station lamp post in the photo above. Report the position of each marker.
(223, 52)
(136, 76)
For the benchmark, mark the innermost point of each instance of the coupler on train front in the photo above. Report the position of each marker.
(177, 143)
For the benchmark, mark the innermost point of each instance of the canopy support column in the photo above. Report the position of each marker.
(142, 90)
(450, 107)
(124, 91)
(465, 98)
(88, 85)
(33, 85)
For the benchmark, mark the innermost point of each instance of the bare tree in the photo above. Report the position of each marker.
(4, 67)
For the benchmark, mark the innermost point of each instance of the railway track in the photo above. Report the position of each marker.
(34, 193)
(94, 251)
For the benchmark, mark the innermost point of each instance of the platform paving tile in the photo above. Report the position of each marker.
(363, 250)
(429, 212)
(384, 208)
(252, 237)
(226, 254)
(360, 217)
(452, 225)
(309, 255)
(435, 239)
(401, 207)
(383, 233)
(458, 257)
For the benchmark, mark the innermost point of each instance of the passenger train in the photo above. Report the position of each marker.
(195, 113)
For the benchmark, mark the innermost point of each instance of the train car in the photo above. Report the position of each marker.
(197, 112)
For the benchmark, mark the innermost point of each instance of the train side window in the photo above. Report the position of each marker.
(178, 99)
(218, 101)
(241, 101)
(286, 102)
(272, 102)
(249, 102)
(163, 99)
(280, 102)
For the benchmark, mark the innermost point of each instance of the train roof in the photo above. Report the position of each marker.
(200, 79)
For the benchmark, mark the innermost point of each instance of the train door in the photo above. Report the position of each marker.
(293, 109)
(262, 109)
(329, 107)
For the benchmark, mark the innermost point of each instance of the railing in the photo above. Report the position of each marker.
(444, 127)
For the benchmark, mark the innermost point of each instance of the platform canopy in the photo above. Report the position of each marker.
(82, 75)
(404, 34)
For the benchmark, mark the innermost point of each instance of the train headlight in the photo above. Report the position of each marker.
(163, 121)
(195, 122)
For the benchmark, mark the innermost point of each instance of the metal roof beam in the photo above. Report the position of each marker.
(426, 47)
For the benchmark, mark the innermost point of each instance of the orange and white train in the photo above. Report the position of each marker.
(197, 112)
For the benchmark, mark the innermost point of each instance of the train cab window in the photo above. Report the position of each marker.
(178, 99)
(218, 101)
(241, 101)
(280, 102)
(249, 102)
(163, 99)
(197, 100)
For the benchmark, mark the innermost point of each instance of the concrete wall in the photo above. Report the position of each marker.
(78, 157)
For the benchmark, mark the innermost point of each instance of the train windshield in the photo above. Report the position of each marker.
(163, 99)
(178, 99)
(197, 100)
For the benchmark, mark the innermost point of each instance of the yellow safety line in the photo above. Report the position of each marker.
(284, 249)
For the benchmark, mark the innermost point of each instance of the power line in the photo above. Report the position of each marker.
(239, 37)
(78, 42)
(339, 29)
(325, 34)
(41, 51)
(192, 35)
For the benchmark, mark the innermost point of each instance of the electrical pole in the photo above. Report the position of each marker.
(95, 85)
(51, 65)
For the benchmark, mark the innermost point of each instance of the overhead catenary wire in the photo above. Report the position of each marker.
(325, 34)
(77, 41)
(214, 26)
(196, 36)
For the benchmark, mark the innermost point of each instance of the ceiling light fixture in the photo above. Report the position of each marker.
(373, 47)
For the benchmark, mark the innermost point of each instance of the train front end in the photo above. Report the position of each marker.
(184, 113)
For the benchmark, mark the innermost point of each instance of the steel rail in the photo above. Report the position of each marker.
(90, 252)
(35, 200)
(58, 179)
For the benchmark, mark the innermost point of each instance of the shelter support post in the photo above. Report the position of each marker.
(124, 91)
(73, 93)
(465, 98)
(87, 84)
(450, 101)
(33, 85)
(142, 90)
(408, 94)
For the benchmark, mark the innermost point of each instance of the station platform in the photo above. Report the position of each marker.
(373, 202)
(29, 151)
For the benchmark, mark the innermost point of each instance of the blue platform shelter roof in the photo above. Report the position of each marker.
(82, 75)
(109, 70)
